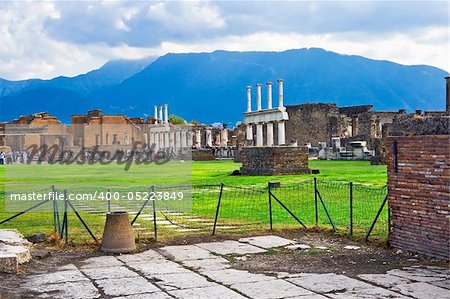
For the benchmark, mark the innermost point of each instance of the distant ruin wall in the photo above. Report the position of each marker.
(405, 125)
(203, 154)
(419, 193)
(274, 160)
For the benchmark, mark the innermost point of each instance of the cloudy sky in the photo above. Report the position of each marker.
(48, 39)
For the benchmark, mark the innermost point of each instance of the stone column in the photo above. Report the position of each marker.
(166, 113)
(160, 114)
(172, 139)
(208, 137)
(249, 132)
(178, 139)
(156, 114)
(224, 138)
(269, 95)
(259, 134)
(269, 134)
(156, 141)
(249, 99)
(258, 97)
(166, 140)
(198, 138)
(281, 133)
(145, 138)
(183, 138)
(280, 93)
(161, 140)
(189, 135)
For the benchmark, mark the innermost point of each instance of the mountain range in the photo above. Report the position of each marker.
(210, 87)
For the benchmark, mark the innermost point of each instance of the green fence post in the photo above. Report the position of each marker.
(270, 206)
(217, 210)
(315, 201)
(351, 208)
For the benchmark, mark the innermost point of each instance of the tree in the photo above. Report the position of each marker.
(176, 120)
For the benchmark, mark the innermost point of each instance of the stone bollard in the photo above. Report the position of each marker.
(118, 236)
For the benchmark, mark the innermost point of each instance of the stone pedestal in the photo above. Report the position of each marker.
(274, 160)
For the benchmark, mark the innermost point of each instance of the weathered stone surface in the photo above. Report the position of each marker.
(326, 283)
(21, 252)
(12, 237)
(67, 290)
(216, 291)
(8, 263)
(217, 263)
(233, 276)
(176, 281)
(267, 241)
(384, 280)
(271, 289)
(370, 293)
(186, 252)
(418, 274)
(37, 238)
(155, 268)
(55, 278)
(230, 247)
(422, 290)
(442, 283)
(156, 295)
(109, 272)
(127, 286)
(100, 261)
(142, 256)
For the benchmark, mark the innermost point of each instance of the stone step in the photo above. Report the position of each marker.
(14, 250)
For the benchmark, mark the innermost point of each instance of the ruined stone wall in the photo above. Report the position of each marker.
(420, 125)
(206, 154)
(419, 193)
(274, 160)
(312, 123)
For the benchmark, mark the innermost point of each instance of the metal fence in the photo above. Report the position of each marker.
(344, 207)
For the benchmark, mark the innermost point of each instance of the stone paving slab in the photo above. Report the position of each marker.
(186, 252)
(68, 290)
(149, 255)
(217, 263)
(157, 295)
(328, 283)
(442, 283)
(272, 289)
(153, 268)
(421, 290)
(418, 274)
(55, 278)
(233, 276)
(100, 261)
(267, 242)
(370, 293)
(216, 291)
(127, 286)
(109, 272)
(176, 281)
(230, 247)
(384, 280)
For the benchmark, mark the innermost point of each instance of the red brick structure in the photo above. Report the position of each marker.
(419, 193)
(274, 160)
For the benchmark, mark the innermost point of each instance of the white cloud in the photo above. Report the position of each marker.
(46, 39)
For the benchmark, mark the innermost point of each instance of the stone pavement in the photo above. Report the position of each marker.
(203, 271)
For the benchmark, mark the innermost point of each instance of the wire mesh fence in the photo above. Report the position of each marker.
(350, 208)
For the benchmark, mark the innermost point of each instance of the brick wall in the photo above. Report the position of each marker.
(274, 160)
(419, 196)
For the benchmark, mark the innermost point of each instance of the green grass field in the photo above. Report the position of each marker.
(244, 201)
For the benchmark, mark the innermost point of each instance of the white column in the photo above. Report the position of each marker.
(269, 95)
(189, 136)
(161, 114)
(166, 140)
(183, 138)
(177, 139)
(156, 141)
(281, 133)
(198, 138)
(161, 140)
(209, 138)
(172, 139)
(259, 134)
(249, 99)
(280, 93)
(166, 113)
(224, 138)
(258, 97)
(156, 114)
(145, 138)
(249, 132)
(270, 134)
